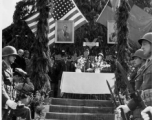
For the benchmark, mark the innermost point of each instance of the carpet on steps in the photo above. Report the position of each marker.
(79, 116)
(81, 102)
(87, 96)
(80, 109)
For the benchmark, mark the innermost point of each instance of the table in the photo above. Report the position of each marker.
(86, 83)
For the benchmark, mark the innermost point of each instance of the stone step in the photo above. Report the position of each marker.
(79, 116)
(80, 109)
(81, 102)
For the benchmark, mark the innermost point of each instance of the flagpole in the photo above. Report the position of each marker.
(103, 10)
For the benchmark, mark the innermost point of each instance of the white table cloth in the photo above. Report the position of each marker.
(86, 83)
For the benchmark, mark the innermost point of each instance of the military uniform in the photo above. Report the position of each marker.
(7, 74)
(144, 81)
(146, 87)
(138, 82)
(7, 89)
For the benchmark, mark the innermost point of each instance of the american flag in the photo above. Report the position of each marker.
(62, 10)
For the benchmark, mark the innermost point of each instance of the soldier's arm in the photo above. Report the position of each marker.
(7, 79)
(5, 96)
(6, 99)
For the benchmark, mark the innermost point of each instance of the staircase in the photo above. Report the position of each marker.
(79, 109)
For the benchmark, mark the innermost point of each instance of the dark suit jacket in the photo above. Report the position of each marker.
(19, 63)
(64, 66)
(63, 36)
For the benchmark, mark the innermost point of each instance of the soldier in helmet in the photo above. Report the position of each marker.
(146, 86)
(139, 60)
(9, 54)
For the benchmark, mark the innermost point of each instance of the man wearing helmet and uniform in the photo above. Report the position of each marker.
(9, 54)
(146, 86)
(139, 60)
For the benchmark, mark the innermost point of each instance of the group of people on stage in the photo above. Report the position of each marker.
(141, 80)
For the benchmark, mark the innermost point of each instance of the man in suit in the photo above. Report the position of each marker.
(87, 64)
(19, 61)
(65, 66)
(9, 54)
(63, 35)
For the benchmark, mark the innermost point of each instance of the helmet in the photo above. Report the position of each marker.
(139, 53)
(8, 50)
(147, 36)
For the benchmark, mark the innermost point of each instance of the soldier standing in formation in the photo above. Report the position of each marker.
(9, 54)
(139, 62)
(146, 86)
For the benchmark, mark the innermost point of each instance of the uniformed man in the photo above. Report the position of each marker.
(146, 86)
(9, 54)
(139, 62)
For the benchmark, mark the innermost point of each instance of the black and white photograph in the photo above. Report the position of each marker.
(64, 32)
(76, 60)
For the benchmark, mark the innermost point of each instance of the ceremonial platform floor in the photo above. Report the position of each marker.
(79, 109)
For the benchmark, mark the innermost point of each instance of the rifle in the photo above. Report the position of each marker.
(122, 103)
(135, 94)
(122, 112)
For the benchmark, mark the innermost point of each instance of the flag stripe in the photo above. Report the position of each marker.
(51, 19)
(79, 21)
(35, 15)
(52, 29)
(51, 22)
(52, 33)
(69, 13)
(34, 24)
(52, 26)
(75, 16)
(78, 18)
(31, 21)
(51, 37)
(34, 30)
(33, 27)
(51, 41)
(72, 15)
